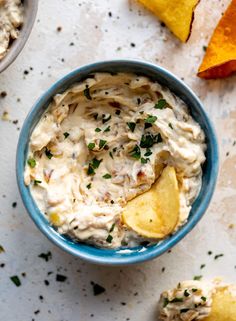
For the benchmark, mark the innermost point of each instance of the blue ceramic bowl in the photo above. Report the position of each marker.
(210, 168)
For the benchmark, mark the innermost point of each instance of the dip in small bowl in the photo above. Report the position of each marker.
(107, 148)
(17, 19)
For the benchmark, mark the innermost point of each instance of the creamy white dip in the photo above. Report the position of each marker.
(190, 300)
(11, 19)
(96, 148)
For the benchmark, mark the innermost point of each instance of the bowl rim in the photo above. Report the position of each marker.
(19, 43)
(69, 246)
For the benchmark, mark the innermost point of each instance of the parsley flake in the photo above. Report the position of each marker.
(61, 278)
(107, 129)
(94, 164)
(15, 279)
(31, 162)
(97, 289)
(66, 134)
(177, 300)
(97, 130)
(36, 182)
(148, 152)
(197, 277)
(91, 146)
(144, 160)
(186, 293)
(48, 153)
(109, 238)
(161, 104)
(166, 302)
(131, 126)
(135, 152)
(1, 249)
(105, 119)
(148, 140)
(106, 176)
(45, 256)
(112, 227)
(150, 119)
(102, 143)
(89, 186)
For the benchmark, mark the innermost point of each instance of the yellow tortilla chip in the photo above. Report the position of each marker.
(176, 14)
(223, 307)
(220, 57)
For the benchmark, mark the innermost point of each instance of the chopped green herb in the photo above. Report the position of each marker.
(144, 161)
(66, 134)
(131, 126)
(112, 227)
(218, 256)
(161, 104)
(166, 302)
(48, 153)
(31, 162)
(135, 153)
(89, 186)
(109, 238)
(96, 162)
(97, 130)
(102, 143)
(61, 278)
(209, 252)
(36, 182)
(105, 119)
(107, 129)
(106, 176)
(197, 277)
(202, 266)
(111, 155)
(97, 289)
(90, 170)
(177, 300)
(204, 48)
(186, 293)
(204, 298)
(194, 290)
(15, 279)
(45, 256)
(87, 93)
(148, 140)
(170, 125)
(91, 146)
(150, 119)
(1, 249)
(148, 152)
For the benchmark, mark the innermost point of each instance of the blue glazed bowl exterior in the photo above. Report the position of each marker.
(210, 168)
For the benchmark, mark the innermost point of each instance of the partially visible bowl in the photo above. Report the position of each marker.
(30, 11)
(210, 168)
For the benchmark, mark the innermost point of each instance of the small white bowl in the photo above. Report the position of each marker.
(30, 11)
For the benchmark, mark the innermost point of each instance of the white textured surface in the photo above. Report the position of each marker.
(137, 286)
